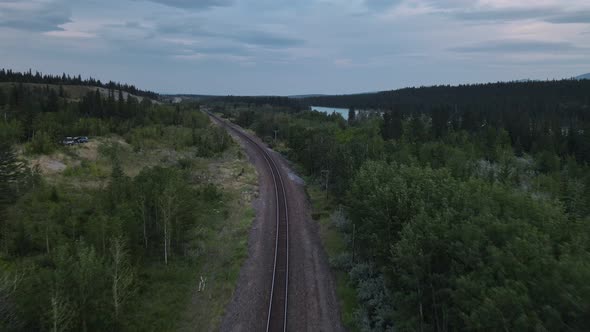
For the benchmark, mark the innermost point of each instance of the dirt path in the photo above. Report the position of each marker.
(313, 305)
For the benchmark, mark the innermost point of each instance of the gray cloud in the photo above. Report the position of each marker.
(494, 15)
(182, 27)
(230, 33)
(133, 25)
(572, 17)
(233, 50)
(261, 38)
(380, 4)
(516, 46)
(194, 4)
(547, 14)
(34, 15)
(468, 10)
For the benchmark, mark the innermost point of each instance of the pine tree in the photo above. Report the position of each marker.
(2, 98)
(52, 102)
(392, 125)
(396, 125)
(518, 150)
(11, 174)
(440, 119)
(351, 115)
(98, 104)
(14, 99)
(417, 129)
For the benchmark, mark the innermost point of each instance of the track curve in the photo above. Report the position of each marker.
(278, 302)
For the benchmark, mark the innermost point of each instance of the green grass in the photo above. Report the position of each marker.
(334, 245)
(163, 294)
(226, 244)
(87, 170)
(170, 299)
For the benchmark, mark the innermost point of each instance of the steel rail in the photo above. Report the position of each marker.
(276, 174)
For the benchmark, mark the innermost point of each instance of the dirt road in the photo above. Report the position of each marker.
(312, 301)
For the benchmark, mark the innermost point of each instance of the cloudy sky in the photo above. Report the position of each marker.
(297, 46)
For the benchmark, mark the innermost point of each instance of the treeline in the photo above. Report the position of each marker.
(7, 75)
(566, 98)
(284, 103)
(451, 223)
(40, 117)
(537, 115)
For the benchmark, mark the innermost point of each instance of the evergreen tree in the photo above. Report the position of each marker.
(12, 181)
(470, 121)
(392, 125)
(2, 98)
(417, 129)
(351, 115)
(440, 119)
(518, 149)
(121, 105)
(582, 145)
(52, 102)
(15, 96)
(11, 175)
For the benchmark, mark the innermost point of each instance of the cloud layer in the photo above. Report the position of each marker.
(35, 15)
(517, 46)
(293, 47)
(194, 4)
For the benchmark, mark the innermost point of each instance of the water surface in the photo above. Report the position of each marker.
(330, 110)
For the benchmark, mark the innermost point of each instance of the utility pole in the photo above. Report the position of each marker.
(327, 172)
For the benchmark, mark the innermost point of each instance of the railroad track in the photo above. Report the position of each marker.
(277, 307)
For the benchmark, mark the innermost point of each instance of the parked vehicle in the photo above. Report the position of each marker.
(68, 141)
(74, 140)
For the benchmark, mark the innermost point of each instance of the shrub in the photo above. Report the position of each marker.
(41, 143)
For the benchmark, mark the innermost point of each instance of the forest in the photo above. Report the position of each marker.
(280, 103)
(8, 75)
(536, 96)
(115, 240)
(458, 208)
(462, 211)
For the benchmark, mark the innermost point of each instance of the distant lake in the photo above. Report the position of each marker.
(330, 110)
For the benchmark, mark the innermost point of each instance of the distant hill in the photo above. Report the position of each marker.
(583, 77)
(570, 93)
(305, 96)
(10, 76)
(73, 92)
(181, 97)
